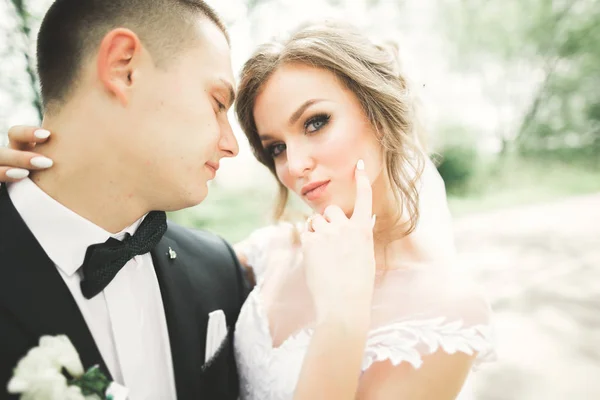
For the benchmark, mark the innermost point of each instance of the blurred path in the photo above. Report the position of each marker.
(540, 265)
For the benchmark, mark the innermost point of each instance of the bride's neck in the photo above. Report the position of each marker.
(394, 248)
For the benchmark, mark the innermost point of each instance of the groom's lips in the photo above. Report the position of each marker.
(214, 167)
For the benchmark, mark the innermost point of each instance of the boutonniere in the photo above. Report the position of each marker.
(53, 370)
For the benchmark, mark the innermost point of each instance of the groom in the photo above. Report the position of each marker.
(136, 94)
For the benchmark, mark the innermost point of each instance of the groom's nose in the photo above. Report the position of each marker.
(228, 144)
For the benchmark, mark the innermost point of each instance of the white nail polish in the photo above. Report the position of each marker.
(360, 165)
(373, 219)
(17, 173)
(41, 134)
(41, 162)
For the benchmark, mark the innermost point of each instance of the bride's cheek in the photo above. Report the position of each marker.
(284, 177)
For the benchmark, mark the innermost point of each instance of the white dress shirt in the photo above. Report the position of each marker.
(127, 319)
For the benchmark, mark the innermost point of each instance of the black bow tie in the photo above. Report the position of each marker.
(104, 260)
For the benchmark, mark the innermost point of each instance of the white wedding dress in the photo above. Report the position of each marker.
(417, 310)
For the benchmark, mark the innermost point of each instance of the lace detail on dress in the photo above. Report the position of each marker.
(266, 373)
(415, 312)
(263, 242)
(407, 341)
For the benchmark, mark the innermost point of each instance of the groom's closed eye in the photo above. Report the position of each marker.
(225, 94)
(220, 105)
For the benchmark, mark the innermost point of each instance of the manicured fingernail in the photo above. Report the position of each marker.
(373, 219)
(360, 165)
(41, 134)
(41, 162)
(17, 173)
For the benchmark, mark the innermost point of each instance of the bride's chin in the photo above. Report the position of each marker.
(320, 209)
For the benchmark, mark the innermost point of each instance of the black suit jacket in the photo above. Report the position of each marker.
(205, 276)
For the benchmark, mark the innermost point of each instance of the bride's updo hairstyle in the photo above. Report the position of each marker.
(372, 72)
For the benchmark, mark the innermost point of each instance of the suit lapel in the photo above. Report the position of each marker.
(33, 290)
(186, 336)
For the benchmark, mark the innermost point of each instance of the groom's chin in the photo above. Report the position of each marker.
(187, 197)
(197, 194)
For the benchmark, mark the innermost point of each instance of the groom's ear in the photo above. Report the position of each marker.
(118, 57)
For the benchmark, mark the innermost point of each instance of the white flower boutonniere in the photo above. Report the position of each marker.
(39, 375)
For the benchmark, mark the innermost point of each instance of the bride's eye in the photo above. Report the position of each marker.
(316, 123)
(276, 149)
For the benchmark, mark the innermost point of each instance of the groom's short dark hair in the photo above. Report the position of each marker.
(73, 29)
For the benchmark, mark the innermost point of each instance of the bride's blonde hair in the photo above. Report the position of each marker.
(372, 72)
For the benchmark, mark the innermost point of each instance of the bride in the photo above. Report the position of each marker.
(311, 107)
(331, 115)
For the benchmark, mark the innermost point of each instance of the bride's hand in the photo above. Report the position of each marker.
(339, 256)
(17, 159)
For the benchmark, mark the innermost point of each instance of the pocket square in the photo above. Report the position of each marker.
(117, 392)
(215, 334)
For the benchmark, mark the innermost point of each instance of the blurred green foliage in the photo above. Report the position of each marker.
(492, 183)
(231, 214)
(457, 166)
(555, 42)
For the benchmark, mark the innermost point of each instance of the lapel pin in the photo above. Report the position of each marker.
(172, 254)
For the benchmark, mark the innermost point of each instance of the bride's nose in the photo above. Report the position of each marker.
(299, 159)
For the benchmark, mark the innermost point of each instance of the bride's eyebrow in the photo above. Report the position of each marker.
(298, 113)
(265, 137)
(293, 119)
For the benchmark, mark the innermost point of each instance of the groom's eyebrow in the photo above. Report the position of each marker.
(231, 91)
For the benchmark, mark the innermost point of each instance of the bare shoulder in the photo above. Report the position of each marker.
(440, 377)
(429, 329)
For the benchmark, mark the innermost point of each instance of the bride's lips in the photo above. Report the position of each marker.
(314, 190)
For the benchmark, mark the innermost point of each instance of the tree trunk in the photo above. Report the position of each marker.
(25, 28)
(537, 102)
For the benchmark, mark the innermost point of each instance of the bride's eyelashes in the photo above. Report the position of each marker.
(275, 149)
(316, 123)
(311, 126)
